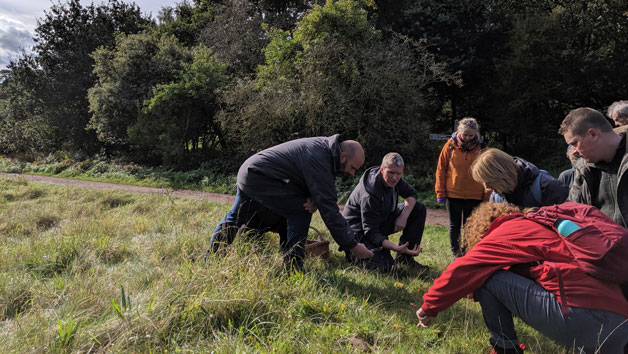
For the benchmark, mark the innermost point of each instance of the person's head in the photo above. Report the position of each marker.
(476, 226)
(496, 170)
(391, 169)
(618, 112)
(589, 134)
(572, 155)
(351, 156)
(468, 129)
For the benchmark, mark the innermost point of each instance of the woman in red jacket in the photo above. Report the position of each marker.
(454, 184)
(498, 268)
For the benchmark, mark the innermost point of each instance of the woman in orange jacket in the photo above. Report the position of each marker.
(454, 184)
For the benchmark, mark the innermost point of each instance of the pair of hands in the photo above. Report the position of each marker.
(310, 206)
(359, 251)
(403, 249)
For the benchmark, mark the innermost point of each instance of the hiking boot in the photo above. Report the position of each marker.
(500, 350)
(410, 263)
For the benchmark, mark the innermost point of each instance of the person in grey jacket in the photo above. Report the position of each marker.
(601, 175)
(373, 213)
(278, 189)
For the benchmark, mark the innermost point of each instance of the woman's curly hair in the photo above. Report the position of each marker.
(481, 219)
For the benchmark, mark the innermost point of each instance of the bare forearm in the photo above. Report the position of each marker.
(409, 204)
(390, 246)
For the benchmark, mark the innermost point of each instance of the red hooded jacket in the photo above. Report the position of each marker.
(517, 240)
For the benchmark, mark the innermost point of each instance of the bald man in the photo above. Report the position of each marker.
(281, 187)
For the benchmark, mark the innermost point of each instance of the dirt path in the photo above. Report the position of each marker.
(434, 216)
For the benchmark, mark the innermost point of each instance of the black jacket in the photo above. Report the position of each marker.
(296, 170)
(371, 202)
(553, 191)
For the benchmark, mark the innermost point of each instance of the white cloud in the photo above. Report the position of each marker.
(18, 19)
(14, 36)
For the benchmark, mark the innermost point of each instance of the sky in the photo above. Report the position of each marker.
(18, 19)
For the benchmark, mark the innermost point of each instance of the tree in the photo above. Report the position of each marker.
(126, 76)
(559, 56)
(236, 36)
(22, 127)
(177, 123)
(185, 21)
(461, 34)
(60, 72)
(334, 73)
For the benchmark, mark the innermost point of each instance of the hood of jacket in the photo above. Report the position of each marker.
(526, 172)
(373, 182)
(334, 146)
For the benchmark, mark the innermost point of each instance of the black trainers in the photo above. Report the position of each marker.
(516, 350)
(410, 262)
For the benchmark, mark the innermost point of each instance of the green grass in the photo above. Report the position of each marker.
(87, 271)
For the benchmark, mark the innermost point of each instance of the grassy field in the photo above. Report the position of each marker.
(96, 271)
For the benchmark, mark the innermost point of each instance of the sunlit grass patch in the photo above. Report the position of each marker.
(101, 271)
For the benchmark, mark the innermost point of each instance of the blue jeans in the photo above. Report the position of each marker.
(505, 294)
(260, 215)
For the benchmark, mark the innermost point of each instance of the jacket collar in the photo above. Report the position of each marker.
(333, 142)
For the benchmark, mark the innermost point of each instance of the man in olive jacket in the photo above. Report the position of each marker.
(373, 213)
(601, 175)
(279, 188)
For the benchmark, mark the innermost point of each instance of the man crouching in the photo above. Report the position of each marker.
(373, 213)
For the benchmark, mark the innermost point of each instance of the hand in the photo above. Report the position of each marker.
(441, 200)
(361, 252)
(310, 206)
(400, 223)
(424, 320)
(410, 252)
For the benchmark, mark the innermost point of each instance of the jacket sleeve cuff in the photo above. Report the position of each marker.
(377, 239)
(429, 312)
(349, 245)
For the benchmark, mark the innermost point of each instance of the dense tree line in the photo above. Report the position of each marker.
(214, 80)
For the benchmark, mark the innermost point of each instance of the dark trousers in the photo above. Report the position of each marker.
(260, 215)
(412, 233)
(459, 210)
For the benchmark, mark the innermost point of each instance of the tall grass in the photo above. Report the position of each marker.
(97, 271)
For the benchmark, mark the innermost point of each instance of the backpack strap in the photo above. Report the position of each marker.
(564, 308)
(535, 188)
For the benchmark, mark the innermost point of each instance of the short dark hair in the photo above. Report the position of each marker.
(579, 120)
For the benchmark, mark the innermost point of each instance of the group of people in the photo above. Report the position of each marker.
(278, 189)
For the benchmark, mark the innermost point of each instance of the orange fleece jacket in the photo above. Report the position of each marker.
(453, 176)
